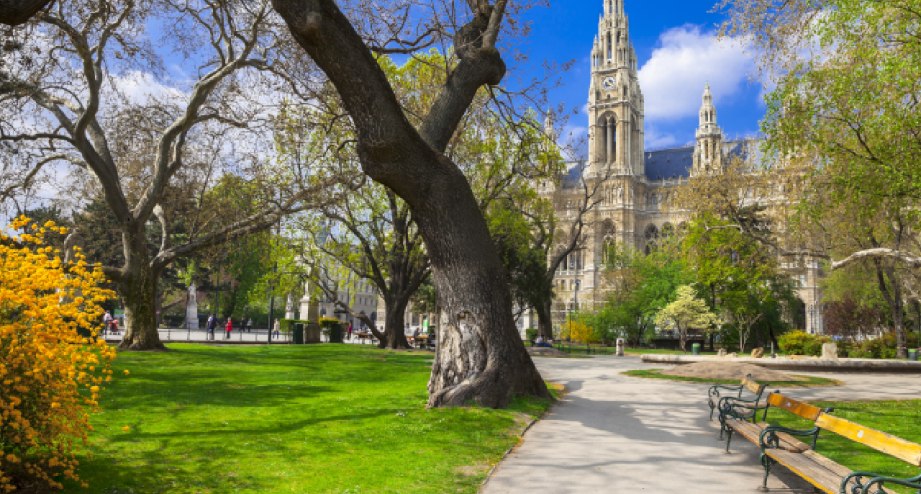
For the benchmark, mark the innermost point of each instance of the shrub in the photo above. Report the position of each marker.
(287, 325)
(50, 375)
(332, 327)
(799, 342)
(882, 347)
(530, 334)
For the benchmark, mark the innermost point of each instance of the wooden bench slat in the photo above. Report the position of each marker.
(752, 432)
(753, 385)
(815, 473)
(802, 409)
(878, 440)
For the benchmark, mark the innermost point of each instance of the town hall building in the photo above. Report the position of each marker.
(637, 184)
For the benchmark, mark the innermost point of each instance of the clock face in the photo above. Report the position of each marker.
(609, 82)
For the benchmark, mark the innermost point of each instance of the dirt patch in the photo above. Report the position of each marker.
(728, 370)
(546, 352)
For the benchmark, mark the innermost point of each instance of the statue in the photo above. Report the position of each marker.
(191, 308)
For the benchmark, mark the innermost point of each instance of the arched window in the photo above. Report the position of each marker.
(652, 238)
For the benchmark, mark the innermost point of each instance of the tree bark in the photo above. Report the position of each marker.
(138, 286)
(480, 358)
(545, 318)
(16, 12)
(394, 331)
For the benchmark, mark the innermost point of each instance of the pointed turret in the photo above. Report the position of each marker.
(708, 152)
(615, 99)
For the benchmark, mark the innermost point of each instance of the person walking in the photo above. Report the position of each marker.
(350, 331)
(228, 328)
(106, 322)
(212, 323)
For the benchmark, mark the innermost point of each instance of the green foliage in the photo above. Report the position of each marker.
(287, 325)
(643, 285)
(799, 342)
(686, 312)
(531, 334)
(333, 328)
(882, 347)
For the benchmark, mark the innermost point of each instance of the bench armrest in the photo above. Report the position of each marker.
(731, 406)
(768, 438)
(874, 479)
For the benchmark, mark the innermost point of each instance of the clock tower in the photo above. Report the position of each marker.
(615, 101)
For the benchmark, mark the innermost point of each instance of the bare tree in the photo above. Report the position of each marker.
(133, 151)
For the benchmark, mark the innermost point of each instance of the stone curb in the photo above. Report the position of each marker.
(804, 364)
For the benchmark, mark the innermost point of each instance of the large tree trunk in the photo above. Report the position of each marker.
(545, 318)
(394, 331)
(139, 292)
(138, 286)
(479, 356)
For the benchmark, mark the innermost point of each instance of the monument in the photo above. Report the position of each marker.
(191, 308)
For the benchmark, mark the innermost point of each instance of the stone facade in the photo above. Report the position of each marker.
(637, 184)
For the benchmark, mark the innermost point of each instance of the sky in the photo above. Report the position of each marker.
(678, 53)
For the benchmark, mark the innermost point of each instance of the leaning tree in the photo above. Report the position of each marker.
(480, 357)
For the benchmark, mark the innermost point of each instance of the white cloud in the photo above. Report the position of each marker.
(655, 139)
(574, 139)
(144, 88)
(674, 77)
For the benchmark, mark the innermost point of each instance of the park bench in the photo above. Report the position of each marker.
(742, 418)
(830, 477)
(721, 393)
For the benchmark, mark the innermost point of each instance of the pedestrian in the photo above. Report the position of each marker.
(249, 325)
(350, 331)
(277, 330)
(212, 323)
(228, 328)
(115, 325)
(106, 322)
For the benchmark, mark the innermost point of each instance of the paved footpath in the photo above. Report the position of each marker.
(613, 433)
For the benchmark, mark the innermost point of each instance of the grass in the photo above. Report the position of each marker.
(901, 418)
(288, 419)
(802, 381)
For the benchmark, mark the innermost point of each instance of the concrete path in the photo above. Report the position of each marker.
(614, 433)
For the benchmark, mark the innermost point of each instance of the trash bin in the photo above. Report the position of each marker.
(299, 333)
(695, 348)
(912, 354)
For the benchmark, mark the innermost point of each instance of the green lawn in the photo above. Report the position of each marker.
(288, 419)
(801, 380)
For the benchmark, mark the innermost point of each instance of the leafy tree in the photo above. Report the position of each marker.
(684, 313)
(641, 285)
(844, 115)
(134, 152)
(53, 364)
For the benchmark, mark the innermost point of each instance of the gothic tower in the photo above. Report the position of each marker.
(708, 152)
(615, 100)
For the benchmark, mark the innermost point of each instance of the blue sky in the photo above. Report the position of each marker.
(678, 53)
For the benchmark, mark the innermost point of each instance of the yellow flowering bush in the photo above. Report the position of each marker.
(52, 364)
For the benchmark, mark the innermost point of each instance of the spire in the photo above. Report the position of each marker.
(707, 110)
(708, 153)
(549, 130)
